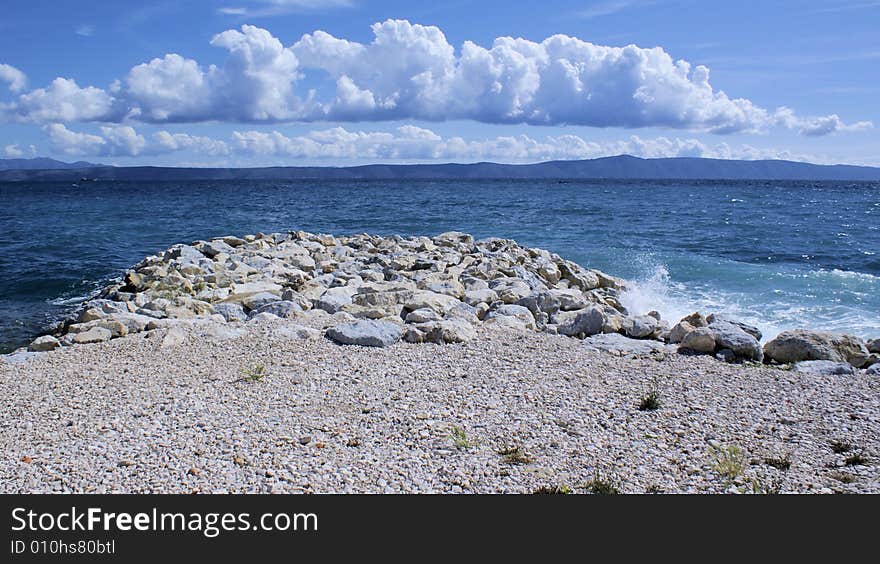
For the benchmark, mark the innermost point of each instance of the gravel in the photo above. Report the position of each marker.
(260, 410)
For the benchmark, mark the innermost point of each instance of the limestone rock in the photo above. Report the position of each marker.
(231, 312)
(800, 344)
(701, 340)
(587, 322)
(519, 312)
(640, 327)
(731, 336)
(282, 309)
(679, 331)
(750, 329)
(93, 335)
(368, 333)
(44, 344)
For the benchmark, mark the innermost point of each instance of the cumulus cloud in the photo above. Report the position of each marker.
(65, 101)
(410, 71)
(818, 126)
(125, 141)
(405, 143)
(16, 79)
(165, 142)
(13, 151)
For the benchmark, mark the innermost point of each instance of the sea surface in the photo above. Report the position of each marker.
(775, 254)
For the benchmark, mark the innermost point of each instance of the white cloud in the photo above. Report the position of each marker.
(411, 72)
(13, 151)
(170, 88)
(70, 142)
(817, 126)
(85, 30)
(165, 142)
(64, 101)
(405, 143)
(256, 83)
(16, 79)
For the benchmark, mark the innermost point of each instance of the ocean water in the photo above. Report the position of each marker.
(775, 254)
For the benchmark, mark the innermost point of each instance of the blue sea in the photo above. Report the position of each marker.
(775, 254)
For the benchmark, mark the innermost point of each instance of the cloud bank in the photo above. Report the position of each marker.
(407, 142)
(411, 72)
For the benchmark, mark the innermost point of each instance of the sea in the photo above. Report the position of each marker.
(776, 254)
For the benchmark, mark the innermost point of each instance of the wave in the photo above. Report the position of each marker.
(833, 300)
(843, 275)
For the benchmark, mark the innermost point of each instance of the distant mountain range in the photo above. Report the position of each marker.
(43, 163)
(623, 166)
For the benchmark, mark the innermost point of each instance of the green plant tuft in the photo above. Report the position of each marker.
(256, 373)
(459, 438)
(728, 461)
(650, 402)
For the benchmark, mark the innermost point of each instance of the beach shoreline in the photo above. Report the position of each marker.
(301, 362)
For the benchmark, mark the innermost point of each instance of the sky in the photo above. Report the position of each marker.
(341, 82)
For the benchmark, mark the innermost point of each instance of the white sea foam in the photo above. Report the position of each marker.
(656, 292)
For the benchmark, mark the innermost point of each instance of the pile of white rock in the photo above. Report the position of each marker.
(374, 291)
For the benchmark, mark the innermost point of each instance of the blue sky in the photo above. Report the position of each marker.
(265, 82)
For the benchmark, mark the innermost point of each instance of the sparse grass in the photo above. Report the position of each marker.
(856, 459)
(459, 438)
(729, 462)
(650, 402)
(840, 447)
(515, 455)
(600, 485)
(553, 490)
(778, 462)
(256, 373)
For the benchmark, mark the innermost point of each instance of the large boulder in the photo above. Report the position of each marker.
(254, 302)
(750, 329)
(483, 295)
(679, 331)
(334, 299)
(282, 309)
(588, 321)
(423, 315)
(874, 346)
(231, 312)
(426, 299)
(93, 335)
(450, 331)
(696, 319)
(454, 239)
(44, 344)
(701, 340)
(641, 326)
(732, 337)
(511, 310)
(366, 332)
(799, 344)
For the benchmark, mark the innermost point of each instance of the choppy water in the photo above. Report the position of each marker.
(776, 254)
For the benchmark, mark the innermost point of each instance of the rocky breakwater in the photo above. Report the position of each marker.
(374, 291)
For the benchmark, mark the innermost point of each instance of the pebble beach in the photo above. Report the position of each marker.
(302, 363)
